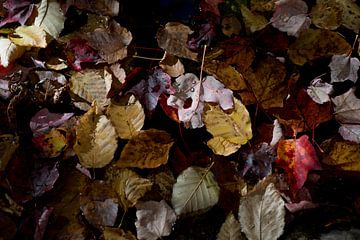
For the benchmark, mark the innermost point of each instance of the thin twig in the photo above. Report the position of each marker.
(202, 62)
(147, 58)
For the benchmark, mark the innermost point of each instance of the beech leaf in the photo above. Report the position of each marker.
(229, 131)
(230, 229)
(350, 132)
(343, 67)
(29, 36)
(128, 117)
(262, 213)
(290, 16)
(154, 220)
(50, 17)
(347, 107)
(9, 52)
(195, 189)
(96, 139)
(146, 149)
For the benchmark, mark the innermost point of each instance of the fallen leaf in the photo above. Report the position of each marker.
(347, 107)
(314, 44)
(91, 85)
(210, 6)
(230, 26)
(215, 92)
(44, 178)
(350, 132)
(79, 51)
(29, 36)
(229, 131)
(227, 74)
(342, 154)
(148, 91)
(350, 14)
(17, 11)
(96, 139)
(297, 157)
(146, 149)
(117, 234)
(9, 52)
(262, 5)
(268, 83)
(262, 213)
(42, 222)
(128, 117)
(50, 144)
(319, 91)
(154, 220)
(173, 39)
(111, 43)
(172, 65)
(50, 17)
(128, 185)
(290, 16)
(344, 67)
(164, 182)
(101, 7)
(230, 229)
(8, 146)
(326, 14)
(195, 189)
(277, 133)
(253, 21)
(351, 234)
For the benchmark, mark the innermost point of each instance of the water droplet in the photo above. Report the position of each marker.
(193, 82)
(192, 89)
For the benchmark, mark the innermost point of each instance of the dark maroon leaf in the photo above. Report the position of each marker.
(41, 222)
(79, 51)
(18, 11)
(44, 178)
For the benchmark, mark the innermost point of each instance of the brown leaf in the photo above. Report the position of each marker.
(117, 234)
(147, 149)
(8, 146)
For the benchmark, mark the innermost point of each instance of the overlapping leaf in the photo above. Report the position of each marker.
(230, 229)
(9, 52)
(29, 36)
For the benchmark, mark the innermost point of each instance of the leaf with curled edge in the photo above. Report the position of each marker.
(128, 116)
(262, 213)
(128, 185)
(146, 149)
(96, 139)
(229, 130)
(195, 189)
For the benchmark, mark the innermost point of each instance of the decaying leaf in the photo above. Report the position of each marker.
(154, 220)
(253, 21)
(9, 52)
(342, 154)
(44, 178)
(314, 44)
(173, 38)
(230, 25)
(50, 17)
(8, 146)
(195, 189)
(230, 229)
(347, 107)
(351, 234)
(103, 7)
(267, 81)
(319, 91)
(117, 234)
(326, 14)
(350, 132)
(50, 144)
(29, 36)
(128, 185)
(127, 117)
(262, 5)
(172, 65)
(17, 11)
(297, 157)
(146, 149)
(96, 139)
(262, 213)
(91, 85)
(344, 67)
(350, 14)
(229, 131)
(111, 43)
(78, 51)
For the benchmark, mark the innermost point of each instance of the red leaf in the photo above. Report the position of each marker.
(297, 158)
(41, 223)
(78, 51)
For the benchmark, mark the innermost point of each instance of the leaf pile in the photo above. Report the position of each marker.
(209, 119)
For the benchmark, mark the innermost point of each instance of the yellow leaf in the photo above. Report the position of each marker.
(91, 85)
(128, 185)
(342, 154)
(50, 17)
(147, 149)
(230, 130)
(262, 5)
(128, 117)
(254, 22)
(327, 15)
(350, 14)
(96, 140)
(267, 81)
(314, 44)
(8, 146)
(172, 65)
(29, 36)
(9, 52)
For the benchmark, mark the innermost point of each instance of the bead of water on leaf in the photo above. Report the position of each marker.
(192, 89)
(193, 82)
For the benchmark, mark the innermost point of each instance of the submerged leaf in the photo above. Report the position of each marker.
(195, 189)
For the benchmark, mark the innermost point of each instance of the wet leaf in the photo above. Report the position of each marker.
(314, 44)
(146, 149)
(128, 185)
(343, 67)
(9, 52)
(297, 157)
(128, 117)
(96, 139)
(195, 189)
(29, 36)
(262, 213)
(229, 131)
(154, 220)
(230, 229)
